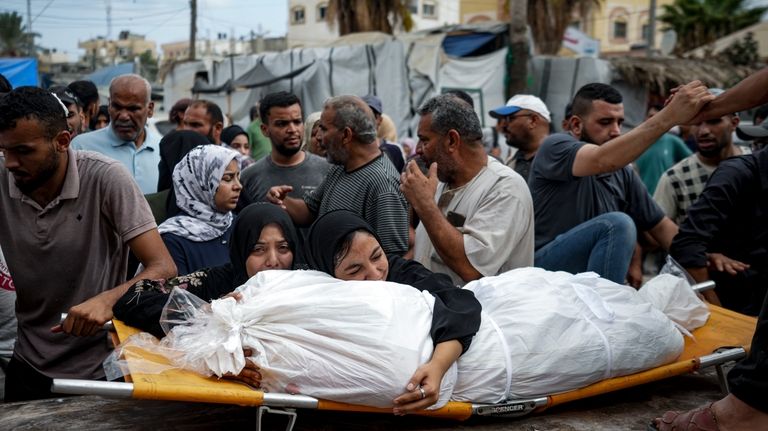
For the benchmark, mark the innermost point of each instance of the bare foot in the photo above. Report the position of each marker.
(736, 415)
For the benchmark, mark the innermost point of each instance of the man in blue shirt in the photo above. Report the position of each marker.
(127, 138)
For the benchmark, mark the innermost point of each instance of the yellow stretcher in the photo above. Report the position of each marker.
(725, 338)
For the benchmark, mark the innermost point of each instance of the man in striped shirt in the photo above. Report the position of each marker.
(362, 180)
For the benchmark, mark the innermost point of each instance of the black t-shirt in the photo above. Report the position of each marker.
(562, 201)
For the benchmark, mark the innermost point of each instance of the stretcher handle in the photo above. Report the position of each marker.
(703, 286)
(107, 326)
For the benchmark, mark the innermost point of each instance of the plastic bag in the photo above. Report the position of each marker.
(674, 296)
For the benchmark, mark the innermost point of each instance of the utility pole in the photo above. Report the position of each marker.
(192, 29)
(109, 19)
(651, 28)
(30, 36)
(518, 47)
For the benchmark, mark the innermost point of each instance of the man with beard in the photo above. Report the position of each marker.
(524, 122)
(205, 118)
(476, 214)
(286, 164)
(681, 185)
(68, 221)
(88, 94)
(589, 204)
(127, 139)
(362, 179)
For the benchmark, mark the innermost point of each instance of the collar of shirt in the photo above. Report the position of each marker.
(149, 142)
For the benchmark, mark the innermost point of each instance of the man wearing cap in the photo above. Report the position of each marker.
(127, 139)
(757, 134)
(524, 122)
(681, 185)
(392, 151)
(476, 214)
(75, 116)
(589, 203)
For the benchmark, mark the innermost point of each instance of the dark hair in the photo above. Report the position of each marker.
(582, 101)
(103, 110)
(463, 95)
(5, 85)
(282, 99)
(176, 114)
(212, 109)
(568, 111)
(254, 112)
(450, 112)
(33, 103)
(760, 113)
(86, 91)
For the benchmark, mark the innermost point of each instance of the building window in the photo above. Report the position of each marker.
(646, 32)
(322, 10)
(429, 9)
(619, 29)
(413, 7)
(297, 15)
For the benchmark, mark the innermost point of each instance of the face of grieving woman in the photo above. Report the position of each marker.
(360, 257)
(271, 251)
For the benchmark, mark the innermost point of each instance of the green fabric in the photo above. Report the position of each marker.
(260, 144)
(662, 155)
(157, 202)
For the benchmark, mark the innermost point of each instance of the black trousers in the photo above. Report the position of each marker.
(23, 383)
(748, 380)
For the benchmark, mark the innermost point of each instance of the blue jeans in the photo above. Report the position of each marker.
(603, 245)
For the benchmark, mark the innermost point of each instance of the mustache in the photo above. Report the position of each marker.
(122, 124)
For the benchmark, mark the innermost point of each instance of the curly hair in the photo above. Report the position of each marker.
(33, 103)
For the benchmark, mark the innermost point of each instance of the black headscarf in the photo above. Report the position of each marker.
(247, 230)
(173, 147)
(143, 303)
(326, 234)
(229, 133)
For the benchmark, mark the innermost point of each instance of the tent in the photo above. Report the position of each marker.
(20, 71)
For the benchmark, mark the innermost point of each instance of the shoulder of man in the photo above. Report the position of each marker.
(84, 141)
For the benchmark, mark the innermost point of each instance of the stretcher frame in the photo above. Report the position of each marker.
(725, 338)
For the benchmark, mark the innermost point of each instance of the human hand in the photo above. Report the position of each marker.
(723, 263)
(89, 317)
(250, 374)
(277, 194)
(418, 188)
(635, 275)
(685, 102)
(423, 389)
(237, 295)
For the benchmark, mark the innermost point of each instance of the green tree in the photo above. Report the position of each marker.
(14, 40)
(353, 16)
(548, 20)
(699, 22)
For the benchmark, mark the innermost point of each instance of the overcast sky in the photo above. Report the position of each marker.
(62, 23)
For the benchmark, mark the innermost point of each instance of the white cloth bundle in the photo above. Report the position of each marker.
(360, 342)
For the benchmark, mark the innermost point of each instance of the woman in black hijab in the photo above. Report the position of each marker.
(342, 244)
(263, 237)
(173, 147)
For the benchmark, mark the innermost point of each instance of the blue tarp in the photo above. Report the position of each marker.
(20, 71)
(102, 77)
(465, 44)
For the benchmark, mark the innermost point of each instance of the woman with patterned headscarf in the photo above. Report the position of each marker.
(207, 186)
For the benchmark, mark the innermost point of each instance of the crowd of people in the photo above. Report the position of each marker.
(100, 211)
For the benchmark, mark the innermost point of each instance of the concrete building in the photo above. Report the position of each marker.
(103, 52)
(307, 25)
(222, 47)
(621, 26)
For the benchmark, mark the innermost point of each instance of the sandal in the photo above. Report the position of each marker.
(701, 419)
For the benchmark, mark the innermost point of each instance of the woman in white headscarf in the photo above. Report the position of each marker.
(207, 186)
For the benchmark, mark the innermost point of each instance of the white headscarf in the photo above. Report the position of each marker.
(195, 181)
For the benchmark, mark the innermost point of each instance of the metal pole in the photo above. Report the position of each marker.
(192, 29)
(651, 28)
(31, 38)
